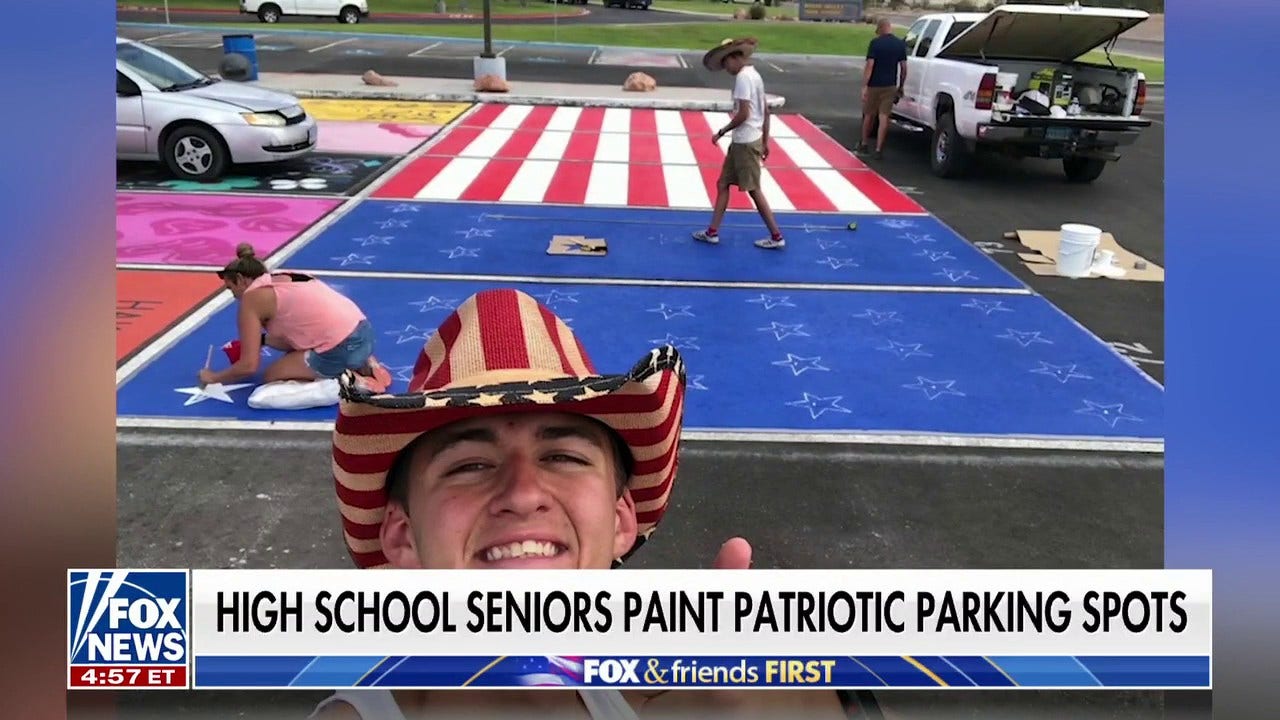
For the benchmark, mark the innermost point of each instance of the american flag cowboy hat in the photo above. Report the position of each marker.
(499, 352)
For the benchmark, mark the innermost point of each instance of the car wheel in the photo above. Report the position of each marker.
(949, 157)
(349, 15)
(1083, 170)
(269, 14)
(192, 152)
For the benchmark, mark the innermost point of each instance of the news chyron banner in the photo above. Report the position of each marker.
(652, 629)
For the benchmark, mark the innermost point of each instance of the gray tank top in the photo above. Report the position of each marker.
(381, 704)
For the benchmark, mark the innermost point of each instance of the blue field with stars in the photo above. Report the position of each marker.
(884, 327)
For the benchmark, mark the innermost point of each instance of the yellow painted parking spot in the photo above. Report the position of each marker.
(395, 111)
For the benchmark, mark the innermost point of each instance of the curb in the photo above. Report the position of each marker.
(446, 38)
(775, 101)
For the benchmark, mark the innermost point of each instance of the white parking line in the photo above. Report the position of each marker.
(415, 53)
(166, 35)
(332, 44)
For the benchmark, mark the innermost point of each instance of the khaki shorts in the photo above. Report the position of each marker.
(742, 166)
(880, 100)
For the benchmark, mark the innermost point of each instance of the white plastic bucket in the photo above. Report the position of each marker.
(1076, 246)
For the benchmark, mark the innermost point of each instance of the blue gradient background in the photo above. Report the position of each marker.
(58, 501)
(1221, 304)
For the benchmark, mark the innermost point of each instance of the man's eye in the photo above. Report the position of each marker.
(468, 468)
(562, 457)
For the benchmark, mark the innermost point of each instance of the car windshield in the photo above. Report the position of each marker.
(160, 70)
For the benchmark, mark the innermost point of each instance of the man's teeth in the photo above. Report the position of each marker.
(528, 548)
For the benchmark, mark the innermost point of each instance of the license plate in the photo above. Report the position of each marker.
(1057, 133)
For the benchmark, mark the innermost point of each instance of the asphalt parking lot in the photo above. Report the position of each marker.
(867, 507)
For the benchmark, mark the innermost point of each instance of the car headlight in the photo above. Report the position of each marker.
(267, 119)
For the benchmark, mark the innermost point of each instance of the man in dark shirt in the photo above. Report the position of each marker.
(882, 79)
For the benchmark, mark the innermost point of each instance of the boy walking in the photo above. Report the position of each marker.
(749, 142)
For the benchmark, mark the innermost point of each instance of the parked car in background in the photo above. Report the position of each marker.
(348, 12)
(196, 125)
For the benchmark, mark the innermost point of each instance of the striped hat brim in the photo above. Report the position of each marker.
(644, 406)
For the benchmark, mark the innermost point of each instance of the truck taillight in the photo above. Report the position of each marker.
(986, 92)
(1141, 99)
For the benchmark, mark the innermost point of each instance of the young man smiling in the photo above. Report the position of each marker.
(511, 451)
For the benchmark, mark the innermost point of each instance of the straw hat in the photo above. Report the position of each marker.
(501, 352)
(716, 55)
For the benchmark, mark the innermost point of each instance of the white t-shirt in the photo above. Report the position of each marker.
(748, 85)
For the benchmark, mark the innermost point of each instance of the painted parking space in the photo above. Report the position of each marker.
(204, 229)
(319, 173)
(150, 301)
(513, 240)
(621, 157)
(373, 138)
(385, 111)
(867, 362)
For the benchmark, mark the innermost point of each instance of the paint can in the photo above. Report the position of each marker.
(1076, 246)
(244, 46)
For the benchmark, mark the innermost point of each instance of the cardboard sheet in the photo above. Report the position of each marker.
(1045, 258)
(577, 245)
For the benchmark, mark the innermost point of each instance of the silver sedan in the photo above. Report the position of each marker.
(199, 126)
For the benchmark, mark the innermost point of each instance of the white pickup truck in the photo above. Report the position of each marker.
(973, 81)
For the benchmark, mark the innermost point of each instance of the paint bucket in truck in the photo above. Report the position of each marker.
(1076, 246)
(1005, 84)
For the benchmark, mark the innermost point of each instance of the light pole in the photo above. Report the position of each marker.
(488, 32)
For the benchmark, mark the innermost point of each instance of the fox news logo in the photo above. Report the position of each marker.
(127, 628)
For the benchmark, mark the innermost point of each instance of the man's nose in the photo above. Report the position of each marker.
(522, 491)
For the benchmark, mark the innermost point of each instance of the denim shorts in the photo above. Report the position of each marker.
(350, 354)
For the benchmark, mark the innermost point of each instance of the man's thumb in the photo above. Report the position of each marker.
(735, 554)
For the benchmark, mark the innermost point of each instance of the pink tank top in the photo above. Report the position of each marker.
(310, 315)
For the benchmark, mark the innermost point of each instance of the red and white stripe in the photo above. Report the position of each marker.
(618, 157)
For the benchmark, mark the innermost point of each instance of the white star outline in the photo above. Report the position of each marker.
(1062, 373)
(474, 232)
(434, 303)
(410, 332)
(368, 240)
(987, 306)
(828, 244)
(905, 350)
(212, 391)
(799, 364)
(897, 223)
(837, 263)
(936, 255)
(551, 298)
(459, 251)
(1024, 337)
(354, 259)
(392, 223)
(956, 275)
(934, 389)
(878, 317)
(772, 301)
(817, 404)
(1110, 414)
(680, 343)
(917, 239)
(403, 373)
(781, 330)
(404, 207)
(695, 382)
(670, 311)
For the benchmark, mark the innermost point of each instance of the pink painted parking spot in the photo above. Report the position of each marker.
(204, 229)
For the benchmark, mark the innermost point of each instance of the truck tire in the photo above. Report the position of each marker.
(948, 156)
(1083, 170)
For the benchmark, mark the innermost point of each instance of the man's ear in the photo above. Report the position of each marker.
(398, 543)
(624, 534)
